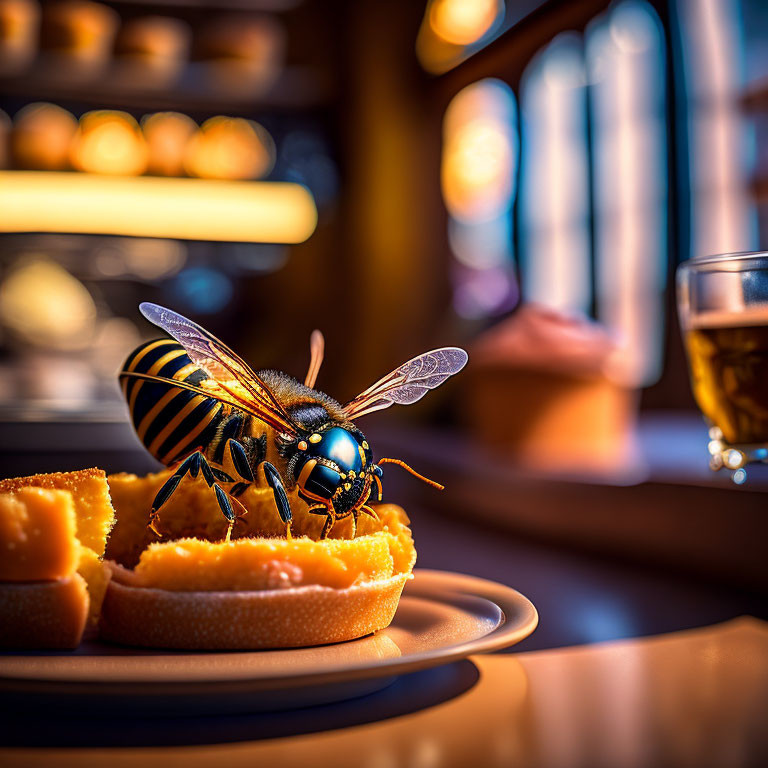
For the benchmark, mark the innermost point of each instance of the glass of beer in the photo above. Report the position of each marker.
(723, 306)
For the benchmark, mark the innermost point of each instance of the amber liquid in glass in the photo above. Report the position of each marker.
(728, 356)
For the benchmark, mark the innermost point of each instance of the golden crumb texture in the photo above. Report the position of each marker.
(76, 551)
(94, 513)
(192, 513)
(53, 531)
(96, 574)
(195, 590)
(37, 535)
(264, 564)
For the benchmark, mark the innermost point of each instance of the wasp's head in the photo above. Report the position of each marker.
(335, 466)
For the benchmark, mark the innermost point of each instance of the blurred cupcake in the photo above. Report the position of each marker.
(41, 137)
(109, 142)
(80, 33)
(242, 51)
(153, 49)
(167, 135)
(540, 391)
(230, 148)
(19, 25)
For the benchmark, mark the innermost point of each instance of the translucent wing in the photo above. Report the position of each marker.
(410, 382)
(223, 366)
(316, 351)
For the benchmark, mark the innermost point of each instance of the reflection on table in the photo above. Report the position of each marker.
(693, 698)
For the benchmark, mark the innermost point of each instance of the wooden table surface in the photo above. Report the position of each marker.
(696, 698)
(690, 698)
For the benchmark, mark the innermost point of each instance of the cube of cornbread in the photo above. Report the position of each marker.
(96, 574)
(264, 564)
(37, 535)
(192, 511)
(48, 614)
(93, 508)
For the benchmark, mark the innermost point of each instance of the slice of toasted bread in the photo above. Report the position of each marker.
(279, 618)
(46, 614)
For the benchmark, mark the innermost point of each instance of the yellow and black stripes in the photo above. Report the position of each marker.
(170, 421)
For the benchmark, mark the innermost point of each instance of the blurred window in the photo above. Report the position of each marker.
(480, 155)
(714, 57)
(626, 63)
(554, 203)
(592, 190)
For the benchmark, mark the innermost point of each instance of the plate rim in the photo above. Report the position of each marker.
(430, 583)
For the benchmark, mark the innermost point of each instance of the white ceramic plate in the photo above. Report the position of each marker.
(442, 617)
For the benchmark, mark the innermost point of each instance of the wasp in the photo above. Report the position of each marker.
(196, 405)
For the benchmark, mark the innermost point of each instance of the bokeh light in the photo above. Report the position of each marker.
(41, 137)
(230, 148)
(479, 167)
(194, 209)
(167, 135)
(44, 305)
(462, 22)
(109, 142)
(479, 151)
(201, 289)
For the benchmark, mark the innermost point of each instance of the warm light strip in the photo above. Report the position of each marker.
(144, 206)
(555, 239)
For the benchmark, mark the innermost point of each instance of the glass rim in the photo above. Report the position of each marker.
(724, 258)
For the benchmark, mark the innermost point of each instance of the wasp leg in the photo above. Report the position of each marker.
(193, 465)
(240, 460)
(371, 512)
(228, 504)
(162, 496)
(275, 482)
(154, 523)
(329, 523)
(327, 510)
(240, 510)
(365, 509)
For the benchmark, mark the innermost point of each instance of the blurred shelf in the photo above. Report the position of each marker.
(662, 507)
(195, 91)
(148, 206)
(274, 6)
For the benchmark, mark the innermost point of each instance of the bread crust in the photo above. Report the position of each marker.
(285, 618)
(43, 614)
(66, 481)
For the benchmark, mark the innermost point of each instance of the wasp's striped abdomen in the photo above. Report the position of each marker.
(170, 421)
